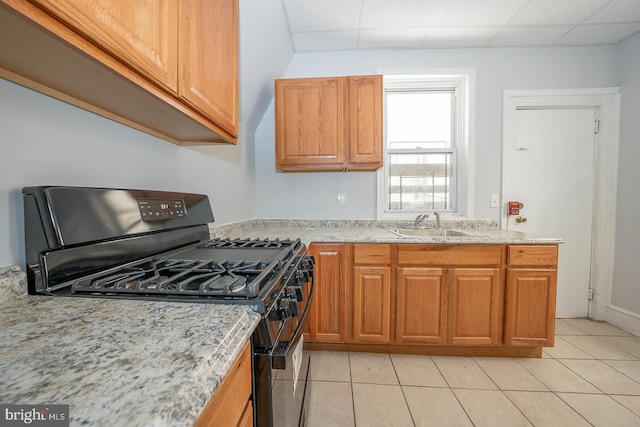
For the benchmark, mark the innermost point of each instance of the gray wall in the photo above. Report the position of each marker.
(313, 195)
(626, 283)
(47, 142)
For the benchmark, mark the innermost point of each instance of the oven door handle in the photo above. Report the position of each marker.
(279, 352)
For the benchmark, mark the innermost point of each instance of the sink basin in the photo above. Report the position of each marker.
(430, 232)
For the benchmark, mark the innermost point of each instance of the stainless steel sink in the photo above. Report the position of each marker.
(430, 232)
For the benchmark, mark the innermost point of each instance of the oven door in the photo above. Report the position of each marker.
(282, 374)
(289, 388)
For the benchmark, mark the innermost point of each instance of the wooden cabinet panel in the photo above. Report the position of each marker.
(533, 255)
(372, 304)
(450, 255)
(474, 299)
(365, 121)
(421, 306)
(374, 253)
(329, 124)
(328, 308)
(144, 35)
(209, 59)
(530, 307)
(228, 406)
(310, 123)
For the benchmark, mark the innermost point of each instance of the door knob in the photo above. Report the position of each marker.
(521, 219)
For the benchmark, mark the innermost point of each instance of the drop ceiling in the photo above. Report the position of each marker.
(321, 25)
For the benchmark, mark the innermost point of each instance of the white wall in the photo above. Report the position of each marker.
(313, 195)
(626, 283)
(48, 142)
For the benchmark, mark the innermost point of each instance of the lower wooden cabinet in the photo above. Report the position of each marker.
(530, 307)
(421, 306)
(474, 304)
(499, 298)
(328, 310)
(231, 405)
(372, 304)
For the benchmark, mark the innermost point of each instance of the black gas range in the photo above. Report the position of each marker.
(155, 245)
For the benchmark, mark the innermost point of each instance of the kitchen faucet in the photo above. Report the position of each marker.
(422, 217)
(419, 219)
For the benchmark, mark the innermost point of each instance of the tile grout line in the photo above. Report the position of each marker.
(404, 396)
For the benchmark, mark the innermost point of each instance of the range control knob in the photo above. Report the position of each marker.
(288, 307)
(295, 292)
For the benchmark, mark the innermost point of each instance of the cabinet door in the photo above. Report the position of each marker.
(474, 299)
(327, 314)
(144, 35)
(365, 122)
(209, 59)
(421, 295)
(310, 131)
(231, 405)
(372, 304)
(530, 307)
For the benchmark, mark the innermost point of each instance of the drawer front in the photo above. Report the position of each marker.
(372, 254)
(449, 255)
(533, 255)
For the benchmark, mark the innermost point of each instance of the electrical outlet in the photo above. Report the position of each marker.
(495, 200)
(342, 199)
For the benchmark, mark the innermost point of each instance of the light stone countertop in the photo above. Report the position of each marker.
(136, 363)
(372, 231)
(115, 362)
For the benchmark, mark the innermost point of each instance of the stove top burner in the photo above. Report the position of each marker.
(239, 279)
(246, 243)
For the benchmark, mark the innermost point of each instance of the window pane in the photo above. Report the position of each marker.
(420, 182)
(419, 119)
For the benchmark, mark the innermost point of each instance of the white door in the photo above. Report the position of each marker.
(553, 176)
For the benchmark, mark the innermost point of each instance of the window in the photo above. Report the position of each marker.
(425, 146)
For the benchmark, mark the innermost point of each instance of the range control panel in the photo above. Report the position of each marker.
(161, 209)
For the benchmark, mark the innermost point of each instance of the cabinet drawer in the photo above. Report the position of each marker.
(446, 255)
(372, 254)
(533, 255)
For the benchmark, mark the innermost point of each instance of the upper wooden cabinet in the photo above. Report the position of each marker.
(329, 124)
(168, 68)
(143, 34)
(209, 59)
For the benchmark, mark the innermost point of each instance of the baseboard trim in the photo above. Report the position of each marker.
(623, 319)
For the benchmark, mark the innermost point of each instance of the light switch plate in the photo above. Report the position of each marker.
(495, 200)
(342, 199)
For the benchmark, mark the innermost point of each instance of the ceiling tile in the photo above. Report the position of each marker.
(392, 37)
(460, 36)
(334, 40)
(325, 15)
(457, 13)
(548, 12)
(618, 11)
(530, 35)
(352, 24)
(598, 34)
(400, 13)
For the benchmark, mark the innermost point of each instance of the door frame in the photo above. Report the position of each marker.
(606, 101)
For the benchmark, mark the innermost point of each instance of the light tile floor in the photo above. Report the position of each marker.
(590, 378)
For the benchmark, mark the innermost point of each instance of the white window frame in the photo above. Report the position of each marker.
(462, 83)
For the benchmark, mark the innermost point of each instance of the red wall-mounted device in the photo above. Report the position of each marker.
(513, 208)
